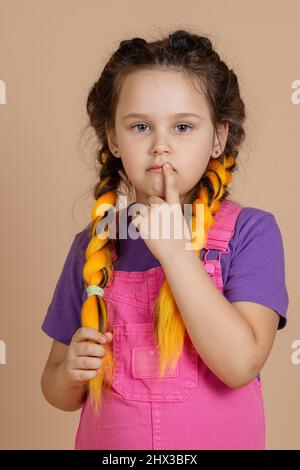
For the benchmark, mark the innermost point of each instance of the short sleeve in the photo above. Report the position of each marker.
(257, 265)
(63, 317)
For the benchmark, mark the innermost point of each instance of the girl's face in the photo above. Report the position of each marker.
(161, 132)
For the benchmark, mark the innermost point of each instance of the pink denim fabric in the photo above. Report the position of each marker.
(188, 408)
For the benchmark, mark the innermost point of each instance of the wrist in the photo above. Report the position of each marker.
(64, 377)
(178, 255)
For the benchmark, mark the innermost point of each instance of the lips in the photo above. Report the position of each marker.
(157, 167)
(154, 167)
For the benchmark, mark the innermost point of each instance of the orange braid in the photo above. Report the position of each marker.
(168, 325)
(97, 271)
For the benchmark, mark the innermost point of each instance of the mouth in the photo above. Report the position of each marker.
(157, 169)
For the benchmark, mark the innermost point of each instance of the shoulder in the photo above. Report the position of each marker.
(81, 240)
(250, 215)
(256, 226)
(255, 271)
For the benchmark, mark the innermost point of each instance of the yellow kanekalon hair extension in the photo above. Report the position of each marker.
(96, 272)
(168, 325)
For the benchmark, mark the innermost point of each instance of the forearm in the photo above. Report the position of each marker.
(58, 392)
(222, 337)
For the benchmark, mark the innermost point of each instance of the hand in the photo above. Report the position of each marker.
(83, 361)
(170, 212)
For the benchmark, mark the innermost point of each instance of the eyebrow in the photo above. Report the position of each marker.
(182, 115)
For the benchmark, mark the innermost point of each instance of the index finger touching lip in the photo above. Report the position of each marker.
(172, 168)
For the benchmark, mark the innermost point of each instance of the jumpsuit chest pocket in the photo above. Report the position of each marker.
(136, 374)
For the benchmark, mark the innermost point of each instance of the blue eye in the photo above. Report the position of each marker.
(183, 125)
(137, 125)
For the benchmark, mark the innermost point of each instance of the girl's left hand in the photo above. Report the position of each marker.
(170, 213)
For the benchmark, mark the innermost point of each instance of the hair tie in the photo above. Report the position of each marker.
(94, 290)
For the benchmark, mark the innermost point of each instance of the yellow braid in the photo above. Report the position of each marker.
(168, 325)
(97, 271)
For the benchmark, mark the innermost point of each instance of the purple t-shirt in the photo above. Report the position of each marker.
(253, 270)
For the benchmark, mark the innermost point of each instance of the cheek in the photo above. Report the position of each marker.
(133, 168)
(194, 170)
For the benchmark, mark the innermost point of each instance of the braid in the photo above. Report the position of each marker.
(168, 325)
(98, 270)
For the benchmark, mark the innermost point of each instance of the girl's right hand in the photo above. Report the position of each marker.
(84, 354)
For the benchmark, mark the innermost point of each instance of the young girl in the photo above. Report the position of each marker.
(162, 346)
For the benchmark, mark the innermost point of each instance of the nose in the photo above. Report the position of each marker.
(161, 149)
(161, 145)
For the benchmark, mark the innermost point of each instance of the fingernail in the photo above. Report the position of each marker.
(167, 166)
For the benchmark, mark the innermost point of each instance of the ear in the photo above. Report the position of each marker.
(221, 135)
(112, 140)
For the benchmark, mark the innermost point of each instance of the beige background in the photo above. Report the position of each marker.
(50, 53)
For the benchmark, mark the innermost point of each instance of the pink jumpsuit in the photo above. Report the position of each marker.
(190, 407)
